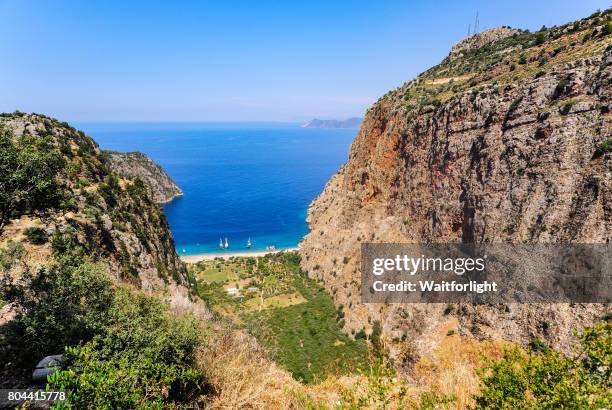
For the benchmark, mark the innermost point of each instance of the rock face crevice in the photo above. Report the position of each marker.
(502, 154)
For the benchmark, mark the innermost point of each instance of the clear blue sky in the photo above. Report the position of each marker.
(234, 60)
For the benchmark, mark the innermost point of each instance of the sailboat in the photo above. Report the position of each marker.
(249, 243)
(226, 245)
(221, 243)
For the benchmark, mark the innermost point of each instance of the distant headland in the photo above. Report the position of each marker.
(354, 122)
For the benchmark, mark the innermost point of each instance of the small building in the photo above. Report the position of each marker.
(232, 291)
(252, 289)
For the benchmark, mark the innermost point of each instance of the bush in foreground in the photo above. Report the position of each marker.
(121, 348)
(143, 359)
(61, 305)
(550, 380)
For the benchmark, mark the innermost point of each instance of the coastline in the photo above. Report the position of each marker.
(226, 255)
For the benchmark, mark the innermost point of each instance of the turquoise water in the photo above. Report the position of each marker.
(241, 180)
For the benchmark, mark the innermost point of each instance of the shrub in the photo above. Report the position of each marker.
(121, 348)
(361, 335)
(549, 380)
(109, 190)
(61, 305)
(66, 247)
(37, 236)
(375, 337)
(449, 309)
(143, 359)
(562, 87)
(10, 255)
(604, 147)
(538, 345)
(566, 108)
(513, 107)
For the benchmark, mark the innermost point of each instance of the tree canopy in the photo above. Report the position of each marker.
(29, 171)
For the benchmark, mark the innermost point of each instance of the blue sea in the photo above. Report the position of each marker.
(240, 180)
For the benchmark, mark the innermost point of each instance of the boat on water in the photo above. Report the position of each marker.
(249, 243)
(226, 244)
(221, 243)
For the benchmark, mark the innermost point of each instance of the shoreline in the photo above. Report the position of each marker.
(226, 255)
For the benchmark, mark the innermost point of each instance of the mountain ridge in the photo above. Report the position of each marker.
(499, 143)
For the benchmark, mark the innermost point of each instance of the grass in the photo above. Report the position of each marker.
(297, 321)
(220, 270)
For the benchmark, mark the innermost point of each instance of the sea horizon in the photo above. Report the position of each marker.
(241, 180)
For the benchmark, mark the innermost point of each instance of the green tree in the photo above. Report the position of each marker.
(540, 38)
(29, 170)
(60, 305)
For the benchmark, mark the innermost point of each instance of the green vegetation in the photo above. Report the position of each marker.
(514, 106)
(37, 236)
(562, 87)
(122, 349)
(62, 306)
(520, 56)
(29, 170)
(302, 328)
(604, 147)
(546, 379)
(143, 359)
(11, 255)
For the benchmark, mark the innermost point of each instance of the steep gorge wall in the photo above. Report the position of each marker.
(507, 153)
(115, 219)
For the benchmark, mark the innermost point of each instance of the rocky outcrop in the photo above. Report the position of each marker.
(348, 123)
(138, 165)
(481, 39)
(498, 144)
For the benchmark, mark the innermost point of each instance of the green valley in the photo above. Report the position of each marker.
(286, 311)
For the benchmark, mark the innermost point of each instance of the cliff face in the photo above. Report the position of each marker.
(505, 142)
(138, 165)
(115, 219)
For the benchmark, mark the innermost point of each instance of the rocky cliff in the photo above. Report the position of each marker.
(115, 219)
(505, 140)
(138, 165)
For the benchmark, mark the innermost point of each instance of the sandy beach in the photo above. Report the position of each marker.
(226, 255)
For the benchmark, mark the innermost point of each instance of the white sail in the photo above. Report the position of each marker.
(226, 243)
(249, 243)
